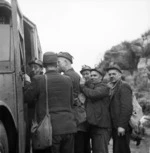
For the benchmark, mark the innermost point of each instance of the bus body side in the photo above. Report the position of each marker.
(19, 43)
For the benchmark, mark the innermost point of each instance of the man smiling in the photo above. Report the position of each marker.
(97, 108)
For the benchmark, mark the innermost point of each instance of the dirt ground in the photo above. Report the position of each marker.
(144, 146)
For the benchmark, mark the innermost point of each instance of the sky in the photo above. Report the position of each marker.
(86, 28)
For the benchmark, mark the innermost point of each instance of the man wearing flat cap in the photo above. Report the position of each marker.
(120, 108)
(85, 141)
(97, 108)
(60, 101)
(65, 61)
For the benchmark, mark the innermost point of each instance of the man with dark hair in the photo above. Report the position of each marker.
(121, 110)
(97, 108)
(60, 101)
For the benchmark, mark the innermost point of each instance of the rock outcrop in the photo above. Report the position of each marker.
(134, 59)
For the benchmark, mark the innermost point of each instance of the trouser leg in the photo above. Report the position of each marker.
(100, 141)
(82, 142)
(79, 142)
(87, 146)
(63, 143)
(67, 145)
(121, 143)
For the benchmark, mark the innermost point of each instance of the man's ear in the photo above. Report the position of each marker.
(120, 75)
(66, 62)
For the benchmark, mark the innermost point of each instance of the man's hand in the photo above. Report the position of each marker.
(121, 131)
(27, 78)
(82, 81)
(110, 85)
(82, 98)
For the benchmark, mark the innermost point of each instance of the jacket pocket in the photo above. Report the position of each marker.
(94, 113)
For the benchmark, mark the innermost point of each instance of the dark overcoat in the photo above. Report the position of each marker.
(121, 105)
(74, 76)
(60, 99)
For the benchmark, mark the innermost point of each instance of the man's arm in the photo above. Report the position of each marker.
(31, 91)
(96, 93)
(126, 106)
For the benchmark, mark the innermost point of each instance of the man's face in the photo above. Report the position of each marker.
(35, 70)
(95, 77)
(61, 64)
(114, 75)
(86, 74)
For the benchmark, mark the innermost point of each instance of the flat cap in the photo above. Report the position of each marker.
(36, 61)
(49, 58)
(85, 68)
(98, 70)
(114, 67)
(66, 55)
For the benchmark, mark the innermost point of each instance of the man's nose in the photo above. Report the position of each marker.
(33, 69)
(92, 78)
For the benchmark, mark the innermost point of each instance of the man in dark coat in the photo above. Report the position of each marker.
(65, 61)
(97, 108)
(36, 68)
(121, 110)
(60, 101)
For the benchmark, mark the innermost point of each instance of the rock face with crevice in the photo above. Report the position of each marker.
(129, 55)
(123, 55)
(134, 59)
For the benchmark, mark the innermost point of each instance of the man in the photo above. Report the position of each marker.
(121, 110)
(97, 108)
(60, 101)
(65, 61)
(86, 73)
(36, 67)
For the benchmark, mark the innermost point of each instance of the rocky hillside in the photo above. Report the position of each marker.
(134, 59)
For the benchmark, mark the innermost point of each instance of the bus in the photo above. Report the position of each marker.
(19, 43)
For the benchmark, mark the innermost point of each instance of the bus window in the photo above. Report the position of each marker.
(4, 42)
(2, 20)
(4, 15)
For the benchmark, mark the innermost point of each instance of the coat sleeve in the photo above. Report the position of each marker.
(125, 106)
(31, 91)
(97, 93)
(71, 92)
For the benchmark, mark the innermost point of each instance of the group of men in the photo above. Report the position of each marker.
(108, 105)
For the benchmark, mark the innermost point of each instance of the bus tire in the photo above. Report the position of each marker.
(3, 139)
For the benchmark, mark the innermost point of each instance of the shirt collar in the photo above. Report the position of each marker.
(51, 71)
